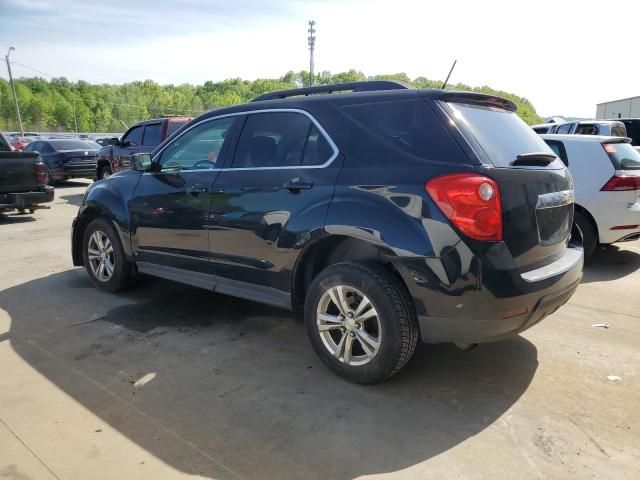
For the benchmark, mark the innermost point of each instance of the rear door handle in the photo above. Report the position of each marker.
(294, 185)
(196, 190)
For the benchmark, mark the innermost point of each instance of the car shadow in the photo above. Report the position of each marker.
(8, 218)
(610, 263)
(73, 199)
(63, 184)
(235, 390)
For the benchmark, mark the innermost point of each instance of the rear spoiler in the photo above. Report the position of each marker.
(470, 98)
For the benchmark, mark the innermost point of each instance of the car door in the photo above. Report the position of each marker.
(169, 209)
(131, 143)
(269, 200)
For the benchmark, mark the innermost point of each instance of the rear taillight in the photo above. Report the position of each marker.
(621, 183)
(471, 202)
(41, 173)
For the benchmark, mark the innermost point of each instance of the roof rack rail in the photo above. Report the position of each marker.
(368, 86)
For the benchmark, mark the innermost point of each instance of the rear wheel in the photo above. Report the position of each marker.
(589, 233)
(104, 257)
(105, 172)
(360, 322)
(50, 180)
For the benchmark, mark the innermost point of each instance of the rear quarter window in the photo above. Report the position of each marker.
(500, 134)
(623, 156)
(407, 127)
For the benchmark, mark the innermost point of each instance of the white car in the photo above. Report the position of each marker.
(606, 177)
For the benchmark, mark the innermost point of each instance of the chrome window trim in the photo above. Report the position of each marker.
(250, 112)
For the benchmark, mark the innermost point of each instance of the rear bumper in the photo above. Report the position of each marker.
(74, 171)
(460, 299)
(25, 200)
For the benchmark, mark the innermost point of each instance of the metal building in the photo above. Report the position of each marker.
(625, 108)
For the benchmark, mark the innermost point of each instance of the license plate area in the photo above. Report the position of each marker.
(554, 216)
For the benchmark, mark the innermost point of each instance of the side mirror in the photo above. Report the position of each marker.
(140, 162)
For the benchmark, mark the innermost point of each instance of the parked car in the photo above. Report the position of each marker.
(606, 173)
(612, 128)
(19, 143)
(103, 142)
(143, 137)
(386, 213)
(543, 127)
(23, 178)
(66, 158)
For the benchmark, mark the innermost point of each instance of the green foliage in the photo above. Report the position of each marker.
(57, 104)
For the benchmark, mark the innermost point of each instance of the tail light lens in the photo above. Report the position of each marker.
(471, 202)
(41, 173)
(621, 183)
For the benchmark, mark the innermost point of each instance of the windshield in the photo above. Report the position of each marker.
(71, 145)
(501, 134)
(623, 156)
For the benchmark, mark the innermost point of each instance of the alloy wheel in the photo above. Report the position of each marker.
(349, 325)
(101, 256)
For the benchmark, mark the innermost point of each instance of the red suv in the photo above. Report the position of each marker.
(143, 137)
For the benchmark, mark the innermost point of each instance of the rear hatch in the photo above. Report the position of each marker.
(626, 163)
(535, 187)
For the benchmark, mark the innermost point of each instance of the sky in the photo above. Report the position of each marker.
(565, 57)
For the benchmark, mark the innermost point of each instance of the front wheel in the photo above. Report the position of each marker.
(104, 257)
(360, 322)
(105, 172)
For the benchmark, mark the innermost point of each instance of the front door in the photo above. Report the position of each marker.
(130, 143)
(169, 209)
(272, 197)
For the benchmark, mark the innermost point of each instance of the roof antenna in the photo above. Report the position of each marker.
(447, 80)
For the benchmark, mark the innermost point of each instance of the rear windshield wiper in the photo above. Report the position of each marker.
(541, 158)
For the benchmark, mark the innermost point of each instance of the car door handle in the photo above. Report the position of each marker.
(294, 185)
(196, 190)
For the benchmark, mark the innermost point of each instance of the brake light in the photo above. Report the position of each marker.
(472, 203)
(41, 173)
(620, 183)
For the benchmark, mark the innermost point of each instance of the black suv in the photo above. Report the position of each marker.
(385, 212)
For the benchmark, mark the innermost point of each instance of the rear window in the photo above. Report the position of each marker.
(633, 131)
(69, 145)
(501, 134)
(623, 156)
(618, 131)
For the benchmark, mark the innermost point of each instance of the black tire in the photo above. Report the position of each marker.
(104, 170)
(396, 315)
(50, 180)
(122, 275)
(589, 233)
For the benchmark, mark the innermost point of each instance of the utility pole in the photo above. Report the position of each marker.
(13, 87)
(312, 43)
(75, 117)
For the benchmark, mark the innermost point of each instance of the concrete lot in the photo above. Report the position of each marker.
(168, 381)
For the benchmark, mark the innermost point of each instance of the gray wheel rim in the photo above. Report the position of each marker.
(101, 258)
(349, 325)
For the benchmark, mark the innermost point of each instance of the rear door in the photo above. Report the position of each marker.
(536, 191)
(274, 193)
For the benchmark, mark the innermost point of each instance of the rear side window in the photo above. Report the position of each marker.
(564, 128)
(618, 131)
(501, 134)
(409, 126)
(152, 135)
(623, 156)
(281, 139)
(588, 129)
(558, 148)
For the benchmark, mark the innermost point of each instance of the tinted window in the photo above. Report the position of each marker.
(407, 126)
(32, 147)
(44, 147)
(559, 150)
(541, 129)
(174, 126)
(4, 145)
(152, 135)
(68, 145)
(280, 139)
(633, 131)
(618, 131)
(623, 156)
(134, 136)
(566, 128)
(501, 134)
(587, 129)
(199, 148)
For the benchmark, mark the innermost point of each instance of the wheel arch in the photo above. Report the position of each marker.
(584, 212)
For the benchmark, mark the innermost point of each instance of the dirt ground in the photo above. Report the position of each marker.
(167, 381)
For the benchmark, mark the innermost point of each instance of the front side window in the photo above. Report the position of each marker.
(199, 148)
(281, 139)
(134, 136)
(566, 128)
(152, 135)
